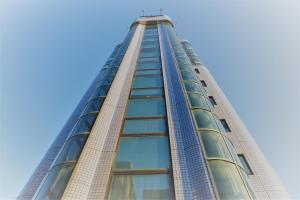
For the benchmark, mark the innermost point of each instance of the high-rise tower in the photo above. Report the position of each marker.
(154, 124)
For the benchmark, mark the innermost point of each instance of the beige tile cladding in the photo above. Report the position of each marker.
(265, 181)
(90, 177)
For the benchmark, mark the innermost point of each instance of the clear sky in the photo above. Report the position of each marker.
(50, 51)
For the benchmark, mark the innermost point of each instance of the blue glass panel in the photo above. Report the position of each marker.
(198, 101)
(141, 187)
(148, 72)
(93, 106)
(72, 149)
(146, 108)
(142, 93)
(192, 87)
(204, 119)
(55, 183)
(84, 124)
(149, 65)
(153, 59)
(145, 126)
(188, 75)
(143, 153)
(147, 81)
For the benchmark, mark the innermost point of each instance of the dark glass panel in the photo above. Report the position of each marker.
(146, 108)
(145, 126)
(147, 81)
(84, 124)
(144, 93)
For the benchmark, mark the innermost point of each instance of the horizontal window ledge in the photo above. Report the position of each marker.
(152, 117)
(143, 134)
(146, 97)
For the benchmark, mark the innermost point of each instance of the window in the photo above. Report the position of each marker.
(84, 124)
(55, 183)
(147, 187)
(148, 72)
(203, 83)
(198, 101)
(146, 93)
(93, 106)
(151, 59)
(143, 153)
(197, 71)
(144, 53)
(245, 164)
(146, 108)
(149, 65)
(72, 149)
(145, 126)
(188, 75)
(147, 81)
(204, 119)
(214, 145)
(228, 181)
(212, 100)
(225, 125)
(101, 91)
(192, 87)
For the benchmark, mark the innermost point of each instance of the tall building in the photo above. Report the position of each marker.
(154, 124)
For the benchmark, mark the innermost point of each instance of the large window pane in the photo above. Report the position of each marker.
(148, 72)
(228, 181)
(145, 126)
(55, 183)
(143, 153)
(192, 87)
(198, 101)
(93, 106)
(141, 187)
(188, 75)
(142, 93)
(204, 119)
(101, 91)
(84, 124)
(72, 149)
(146, 108)
(152, 59)
(149, 65)
(214, 145)
(144, 54)
(147, 81)
(233, 151)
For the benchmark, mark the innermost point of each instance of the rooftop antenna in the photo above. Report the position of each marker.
(161, 11)
(143, 13)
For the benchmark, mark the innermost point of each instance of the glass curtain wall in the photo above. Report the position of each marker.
(226, 170)
(60, 172)
(142, 165)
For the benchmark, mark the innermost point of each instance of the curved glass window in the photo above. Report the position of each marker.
(146, 108)
(214, 145)
(204, 119)
(145, 126)
(198, 101)
(72, 149)
(84, 124)
(188, 75)
(143, 153)
(149, 92)
(55, 183)
(93, 106)
(248, 184)
(192, 87)
(228, 181)
(138, 187)
(233, 151)
(147, 81)
(101, 91)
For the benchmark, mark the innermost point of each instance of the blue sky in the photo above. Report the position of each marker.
(50, 51)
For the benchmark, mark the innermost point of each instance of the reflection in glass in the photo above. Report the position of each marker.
(248, 184)
(198, 101)
(141, 187)
(146, 108)
(192, 87)
(188, 75)
(149, 65)
(147, 81)
(233, 151)
(148, 72)
(55, 183)
(149, 152)
(101, 91)
(84, 124)
(93, 106)
(245, 165)
(204, 119)
(145, 126)
(72, 149)
(228, 181)
(214, 145)
(142, 93)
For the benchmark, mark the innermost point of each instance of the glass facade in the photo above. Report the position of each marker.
(142, 165)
